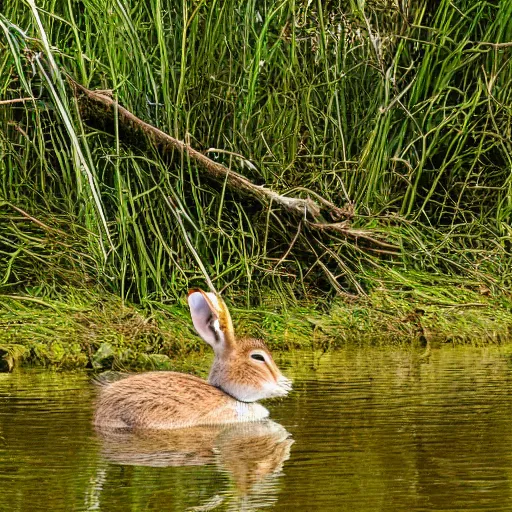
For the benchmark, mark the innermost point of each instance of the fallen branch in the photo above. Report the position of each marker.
(342, 227)
(308, 210)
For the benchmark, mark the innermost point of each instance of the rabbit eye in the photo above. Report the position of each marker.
(258, 357)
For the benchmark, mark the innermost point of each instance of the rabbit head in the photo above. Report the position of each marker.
(242, 368)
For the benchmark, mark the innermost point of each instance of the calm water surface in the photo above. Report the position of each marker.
(363, 430)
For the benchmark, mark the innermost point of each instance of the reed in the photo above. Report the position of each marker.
(397, 112)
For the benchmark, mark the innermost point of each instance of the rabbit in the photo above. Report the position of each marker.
(242, 373)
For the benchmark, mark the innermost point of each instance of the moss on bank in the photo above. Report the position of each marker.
(87, 329)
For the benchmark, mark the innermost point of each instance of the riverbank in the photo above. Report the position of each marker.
(86, 329)
(340, 172)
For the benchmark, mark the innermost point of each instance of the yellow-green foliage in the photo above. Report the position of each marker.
(99, 332)
(397, 111)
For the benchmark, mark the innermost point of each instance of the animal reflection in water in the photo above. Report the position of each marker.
(252, 454)
(242, 373)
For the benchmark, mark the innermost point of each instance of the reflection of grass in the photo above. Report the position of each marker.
(400, 118)
(99, 332)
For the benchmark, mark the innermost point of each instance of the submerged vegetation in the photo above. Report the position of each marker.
(392, 119)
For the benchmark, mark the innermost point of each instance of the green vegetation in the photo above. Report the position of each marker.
(400, 116)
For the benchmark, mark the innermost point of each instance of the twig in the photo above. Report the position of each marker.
(341, 227)
(494, 45)
(285, 255)
(178, 213)
(34, 220)
(16, 100)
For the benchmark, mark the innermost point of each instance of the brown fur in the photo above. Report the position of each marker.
(237, 369)
(164, 400)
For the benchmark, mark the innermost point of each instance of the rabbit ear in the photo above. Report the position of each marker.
(211, 319)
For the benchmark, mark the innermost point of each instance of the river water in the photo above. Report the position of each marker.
(381, 429)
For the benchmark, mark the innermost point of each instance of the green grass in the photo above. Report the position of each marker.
(402, 115)
(90, 330)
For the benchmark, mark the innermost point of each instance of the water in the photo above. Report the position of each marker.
(364, 430)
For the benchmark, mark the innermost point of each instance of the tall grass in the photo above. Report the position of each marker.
(399, 111)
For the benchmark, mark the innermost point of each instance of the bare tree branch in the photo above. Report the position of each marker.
(308, 210)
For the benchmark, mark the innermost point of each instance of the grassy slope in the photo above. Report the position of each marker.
(403, 115)
(101, 332)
